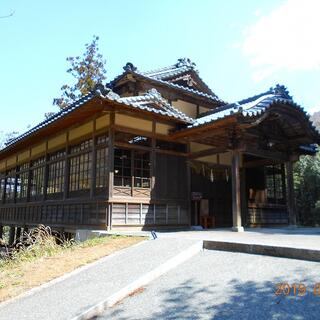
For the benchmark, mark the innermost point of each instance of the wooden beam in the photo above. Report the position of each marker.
(260, 163)
(269, 154)
(207, 152)
(215, 128)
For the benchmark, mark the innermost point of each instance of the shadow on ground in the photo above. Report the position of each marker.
(235, 300)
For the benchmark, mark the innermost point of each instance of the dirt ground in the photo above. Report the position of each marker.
(20, 278)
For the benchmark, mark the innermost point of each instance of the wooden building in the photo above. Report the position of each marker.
(157, 149)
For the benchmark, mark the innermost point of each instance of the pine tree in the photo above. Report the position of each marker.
(88, 70)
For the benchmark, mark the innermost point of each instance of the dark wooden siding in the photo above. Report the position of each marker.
(170, 177)
(79, 214)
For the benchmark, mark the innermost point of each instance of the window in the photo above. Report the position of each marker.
(141, 169)
(132, 167)
(10, 185)
(122, 167)
(102, 140)
(22, 182)
(101, 168)
(2, 186)
(56, 171)
(37, 178)
(80, 167)
(132, 139)
(81, 146)
(274, 184)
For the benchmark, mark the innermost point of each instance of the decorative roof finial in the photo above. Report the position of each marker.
(281, 91)
(185, 62)
(100, 89)
(154, 92)
(129, 67)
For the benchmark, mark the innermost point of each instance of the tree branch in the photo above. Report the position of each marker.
(8, 16)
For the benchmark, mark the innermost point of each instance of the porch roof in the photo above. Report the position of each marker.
(254, 107)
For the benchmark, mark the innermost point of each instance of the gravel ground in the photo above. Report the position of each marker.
(68, 298)
(225, 285)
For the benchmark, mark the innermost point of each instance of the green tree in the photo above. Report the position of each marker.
(307, 184)
(88, 70)
(307, 187)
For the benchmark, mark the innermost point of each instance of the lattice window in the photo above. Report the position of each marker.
(80, 167)
(82, 146)
(2, 186)
(56, 177)
(132, 167)
(22, 182)
(37, 182)
(132, 139)
(274, 184)
(122, 168)
(101, 168)
(10, 185)
(141, 169)
(80, 172)
(102, 140)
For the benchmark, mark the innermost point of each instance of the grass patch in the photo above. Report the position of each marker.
(44, 259)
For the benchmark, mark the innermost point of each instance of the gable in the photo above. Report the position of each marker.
(183, 73)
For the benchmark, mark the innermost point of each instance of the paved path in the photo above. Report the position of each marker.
(68, 298)
(224, 285)
(308, 238)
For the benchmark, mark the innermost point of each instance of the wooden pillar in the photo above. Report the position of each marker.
(111, 156)
(1, 232)
(66, 171)
(290, 195)
(236, 192)
(12, 235)
(110, 169)
(189, 176)
(93, 162)
(244, 197)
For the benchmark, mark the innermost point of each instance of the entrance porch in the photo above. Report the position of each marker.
(245, 153)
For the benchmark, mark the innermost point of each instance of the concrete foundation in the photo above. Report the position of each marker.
(83, 234)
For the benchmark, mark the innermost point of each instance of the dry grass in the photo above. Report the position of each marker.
(20, 275)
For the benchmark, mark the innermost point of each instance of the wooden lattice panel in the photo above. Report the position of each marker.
(137, 192)
(120, 191)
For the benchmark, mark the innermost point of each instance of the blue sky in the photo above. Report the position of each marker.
(241, 48)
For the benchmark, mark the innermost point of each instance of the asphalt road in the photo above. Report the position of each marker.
(225, 285)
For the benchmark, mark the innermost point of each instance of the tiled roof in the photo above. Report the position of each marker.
(252, 107)
(151, 102)
(183, 65)
(161, 76)
(172, 73)
(154, 102)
